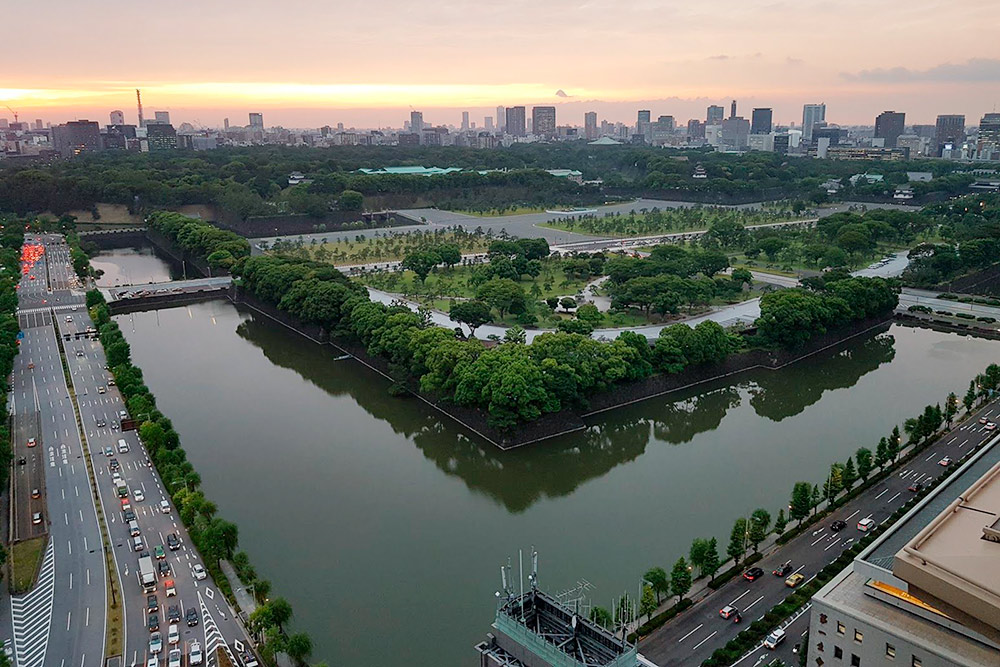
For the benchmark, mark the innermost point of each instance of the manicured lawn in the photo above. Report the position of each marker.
(517, 210)
(25, 557)
(669, 221)
(365, 248)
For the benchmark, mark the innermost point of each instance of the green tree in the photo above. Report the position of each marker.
(350, 200)
(421, 262)
(781, 522)
(589, 313)
(656, 577)
(697, 552)
(801, 501)
(680, 579)
(281, 611)
(834, 482)
(849, 475)
(950, 408)
(567, 302)
(601, 616)
(815, 498)
(472, 314)
(864, 458)
(893, 443)
(711, 564)
(298, 647)
(970, 397)
(648, 603)
(882, 455)
(737, 541)
(503, 294)
(760, 523)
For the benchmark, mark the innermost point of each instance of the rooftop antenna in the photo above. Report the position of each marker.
(533, 577)
(138, 101)
(520, 573)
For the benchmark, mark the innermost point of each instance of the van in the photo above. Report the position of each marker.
(137, 543)
(165, 506)
(133, 528)
(122, 446)
(865, 525)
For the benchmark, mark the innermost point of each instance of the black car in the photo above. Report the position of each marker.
(164, 568)
(22, 461)
(173, 543)
(916, 488)
(113, 465)
(128, 515)
(152, 622)
(838, 525)
(192, 617)
(783, 569)
(152, 604)
(753, 573)
(174, 613)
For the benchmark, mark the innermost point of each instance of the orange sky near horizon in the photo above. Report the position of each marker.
(366, 63)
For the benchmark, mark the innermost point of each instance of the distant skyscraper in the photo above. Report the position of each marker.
(950, 131)
(38, 124)
(714, 115)
(811, 114)
(416, 121)
(543, 121)
(465, 121)
(696, 129)
(488, 123)
(501, 118)
(256, 121)
(989, 129)
(888, 126)
(76, 136)
(643, 126)
(732, 113)
(590, 125)
(225, 124)
(760, 121)
(516, 121)
(117, 118)
(161, 136)
(162, 117)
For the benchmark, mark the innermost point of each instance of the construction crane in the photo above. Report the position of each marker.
(13, 112)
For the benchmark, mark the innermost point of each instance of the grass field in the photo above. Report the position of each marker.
(25, 558)
(364, 249)
(517, 210)
(669, 221)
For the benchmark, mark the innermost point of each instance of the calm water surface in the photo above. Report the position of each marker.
(385, 526)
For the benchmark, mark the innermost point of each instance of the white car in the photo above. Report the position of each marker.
(138, 496)
(153, 661)
(199, 571)
(195, 656)
(175, 658)
(155, 643)
(773, 639)
(865, 525)
(165, 506)
(946, 461)
(173, 637)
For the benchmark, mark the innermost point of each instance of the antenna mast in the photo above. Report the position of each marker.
(138, 101)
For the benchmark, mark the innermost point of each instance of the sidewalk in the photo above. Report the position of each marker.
(243, 597)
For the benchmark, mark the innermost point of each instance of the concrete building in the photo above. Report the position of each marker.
(782, 142)
(256, 121)
(161, 117)
(811, 115)
(989, 128)
(501, 118)
(76, 136)
(161, 136)
(926, 593)
(695, 130)
(889, 126)
(949, 132)
(590, 130)
(865, 153)
(714, 115)
(643, 126)
(488, 123)
(760, 142)
(516, 121)
(916, 145)
(543, 121)
(117, 118)
(416, 121)
(761, 120)
(735, 131)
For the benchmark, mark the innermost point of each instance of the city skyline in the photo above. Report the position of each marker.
(187, 66)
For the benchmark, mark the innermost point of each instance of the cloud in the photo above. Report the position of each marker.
(976, 69)
(793, 61)
(562, 93)
(721, 56)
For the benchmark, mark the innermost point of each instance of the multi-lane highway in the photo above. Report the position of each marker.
(692, 637)
(62, 620)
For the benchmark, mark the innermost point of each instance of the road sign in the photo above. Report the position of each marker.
(20, 335)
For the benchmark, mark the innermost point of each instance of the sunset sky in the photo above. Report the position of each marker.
(314, 62)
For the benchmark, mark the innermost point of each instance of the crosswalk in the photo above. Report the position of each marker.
(32, 615)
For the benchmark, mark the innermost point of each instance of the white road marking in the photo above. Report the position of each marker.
(704, 640)
(690, 633)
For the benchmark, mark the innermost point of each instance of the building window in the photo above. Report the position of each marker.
(840, 628)
(916, 662)
(855, 660)
(859, 636)
(819, 662)
(822, 619)
(890, 651)
(819, 647)
(838, 653)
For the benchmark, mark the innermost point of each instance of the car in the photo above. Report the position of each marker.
(155, 642)
(36, 518)
(35, 493)
(31, 442)
(865, 525)
(946, 461)
(164, 568)
(114, 466)
(191, 616)
(165, 506)
(990, 426)
(125, 504)
(983, 420)
(199, 571)
(128, 515)
(174, 659)
(79, 353)
(101, 389)
(109, 452)
(159, 552)
(173, 637)
(101, 423)
(152, 622)
(152, 604)
(782, 569)
(168, 585)
(114, 426)
(753, 573)
(31, 364)
(122, 414)
(838, 525)
(153, 661)
(795, 580)
(172, 542)
(111, 382)
(69, 318)
(174, 613)
(728, 611)
(772, 640)
(195, 656)
(22, 461)
(916, 487)
(138, 496)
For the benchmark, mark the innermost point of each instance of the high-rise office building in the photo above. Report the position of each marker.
(643, 127)
(949, 131)
(543, 121)
(257, 121)
(161, 136)
(760, 120)
(501, 118)
(488, 123)
(225, 124)
(666, 124)
(989, 128)
(162, 117)
(516, 121)
(811, 115)
(888, 126)
(38, 124)
(465, 121)
(590, 125)
(696, 129)
(117, 118)
(416, 121)
(714, 115)
(734, 135)
(76, 136)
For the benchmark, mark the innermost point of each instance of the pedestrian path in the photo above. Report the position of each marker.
(32, 615)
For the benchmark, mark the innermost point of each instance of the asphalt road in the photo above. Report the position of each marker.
(692, 637)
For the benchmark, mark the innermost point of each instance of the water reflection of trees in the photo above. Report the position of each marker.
(519, 478)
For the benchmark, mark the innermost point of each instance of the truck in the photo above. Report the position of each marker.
(147, 575)
(121, 488)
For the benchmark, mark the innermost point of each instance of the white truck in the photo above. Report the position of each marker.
(147, 576)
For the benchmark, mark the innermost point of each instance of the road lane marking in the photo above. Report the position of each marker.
(704, 640)
(733, 603)
(885, 491)
(832, 544)
(690, 633)
(818, 540)
(754, 602)
(853, 513)
(894, 497)
(931, 456)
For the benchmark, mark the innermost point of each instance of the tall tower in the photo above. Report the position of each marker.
(732, 114)
(138, 101)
